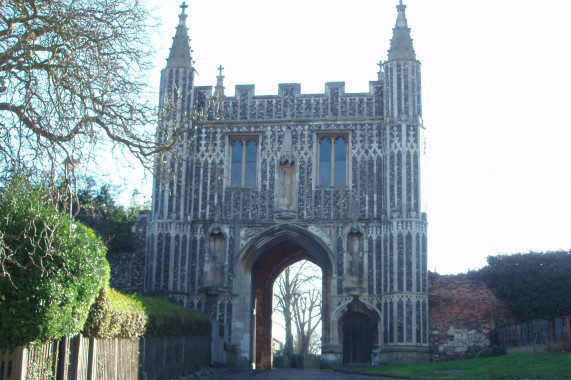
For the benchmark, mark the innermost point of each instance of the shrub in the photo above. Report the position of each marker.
(534, 285)
(52, 268)
(169, 319)
(278, 361)
(115, 315)
(490, 351)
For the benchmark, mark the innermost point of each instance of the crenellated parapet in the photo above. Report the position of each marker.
(291, 104)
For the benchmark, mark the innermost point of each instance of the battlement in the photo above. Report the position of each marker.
(290, 103)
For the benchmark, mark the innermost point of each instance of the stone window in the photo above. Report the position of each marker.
(243, 161)
(332, 159)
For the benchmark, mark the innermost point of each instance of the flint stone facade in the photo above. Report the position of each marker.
(334, 178)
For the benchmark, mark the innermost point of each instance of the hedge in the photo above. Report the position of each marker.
(52, 268)
(115, 315)
(169, 319)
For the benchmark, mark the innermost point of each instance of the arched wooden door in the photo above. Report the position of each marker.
(357, 340)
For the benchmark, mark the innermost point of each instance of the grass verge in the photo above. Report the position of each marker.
(520, 366)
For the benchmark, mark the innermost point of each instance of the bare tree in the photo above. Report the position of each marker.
(292, 284)
(73, 79)
(74, 84)
(307, 315)
(315, 343)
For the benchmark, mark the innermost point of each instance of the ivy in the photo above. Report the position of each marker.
(535, 285)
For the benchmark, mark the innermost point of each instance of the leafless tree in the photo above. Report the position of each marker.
(74, 79)
(307, 315)
(292, 285)
(74, 84)
(315, 343)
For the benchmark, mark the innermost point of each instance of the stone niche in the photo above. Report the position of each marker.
(214, 267)
(286, 181)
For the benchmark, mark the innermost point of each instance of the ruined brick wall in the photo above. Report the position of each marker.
(128, 268)
(463, 311)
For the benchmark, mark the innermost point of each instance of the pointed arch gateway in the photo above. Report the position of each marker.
(265, 257)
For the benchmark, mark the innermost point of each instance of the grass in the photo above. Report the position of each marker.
(519, 366)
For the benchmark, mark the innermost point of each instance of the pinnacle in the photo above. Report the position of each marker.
(180, 53)
(401, 43)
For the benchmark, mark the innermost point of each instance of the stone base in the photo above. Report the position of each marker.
(331, 356)
(403, 355)
(235, 360)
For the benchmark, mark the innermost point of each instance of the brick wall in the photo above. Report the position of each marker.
(463, 311)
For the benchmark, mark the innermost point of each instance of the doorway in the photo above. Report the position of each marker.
(357, 340)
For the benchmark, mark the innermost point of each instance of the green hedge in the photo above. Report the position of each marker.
(534, 285)
(169, 319)
(115, 315)
(52, 268)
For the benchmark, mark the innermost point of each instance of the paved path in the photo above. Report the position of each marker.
(291, 374)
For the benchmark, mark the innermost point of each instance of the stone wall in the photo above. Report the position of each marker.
(463, 311)
(128, 268)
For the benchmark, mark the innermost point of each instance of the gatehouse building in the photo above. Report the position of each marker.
(264, 181)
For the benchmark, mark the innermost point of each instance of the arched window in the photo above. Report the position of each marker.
(325, 161)
(250, 172)
(236, 175)
(340, 163)
(332, 160)
(244, 160)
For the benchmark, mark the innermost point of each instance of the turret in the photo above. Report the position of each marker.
(405, 305)
(403, 122)
(166, 242)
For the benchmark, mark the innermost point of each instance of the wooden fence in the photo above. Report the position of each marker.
(166, 358)
(111, 359)
(547, 331)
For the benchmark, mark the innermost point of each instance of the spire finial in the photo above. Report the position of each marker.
(401, 18)
(219, 89)
(182, 16)
(183, 6)
(380, 72)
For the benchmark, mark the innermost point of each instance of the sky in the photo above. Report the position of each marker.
(495, 99)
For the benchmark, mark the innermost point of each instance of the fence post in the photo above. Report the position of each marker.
(62, 356)
(91, 359)
(19, 363)
(142, 357)
(116, 371)
(76, 346)
(534, 338)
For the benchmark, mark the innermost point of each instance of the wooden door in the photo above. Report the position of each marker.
(357, 340)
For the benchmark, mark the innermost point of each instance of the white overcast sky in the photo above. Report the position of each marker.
(496, 83)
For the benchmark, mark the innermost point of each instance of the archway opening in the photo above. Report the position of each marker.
(267, 256)
(296, 319)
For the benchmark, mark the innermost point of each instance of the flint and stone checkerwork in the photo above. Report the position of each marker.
(334, 178)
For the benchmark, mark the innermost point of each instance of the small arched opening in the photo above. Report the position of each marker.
(358, 330)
